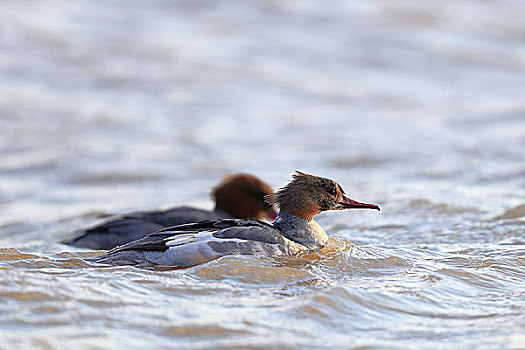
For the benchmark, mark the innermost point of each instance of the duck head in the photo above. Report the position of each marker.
(242, 196)
(308, 195)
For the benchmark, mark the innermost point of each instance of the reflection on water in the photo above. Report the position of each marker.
(416, 106)
(341, 291)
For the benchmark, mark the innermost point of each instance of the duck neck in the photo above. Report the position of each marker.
(302, 231)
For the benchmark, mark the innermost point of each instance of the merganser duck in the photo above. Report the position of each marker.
(237, 196)
(293, 231)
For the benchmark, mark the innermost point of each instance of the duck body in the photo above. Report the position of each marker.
(237, 196)
(196, 243)
(122, 229)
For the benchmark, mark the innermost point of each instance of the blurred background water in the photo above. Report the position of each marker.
(419, 106)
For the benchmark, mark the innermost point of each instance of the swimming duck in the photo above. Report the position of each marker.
(292, 232)
(237, 196)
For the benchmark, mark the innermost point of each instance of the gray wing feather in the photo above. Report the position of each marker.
(191, 244)
(247, 229)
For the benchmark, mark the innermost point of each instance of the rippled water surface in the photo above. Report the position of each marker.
(110, 106)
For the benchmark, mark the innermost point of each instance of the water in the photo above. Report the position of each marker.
(109, 107)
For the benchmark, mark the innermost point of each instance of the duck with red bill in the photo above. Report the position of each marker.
(293, 232)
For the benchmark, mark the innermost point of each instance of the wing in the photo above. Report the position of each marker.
(240, 229)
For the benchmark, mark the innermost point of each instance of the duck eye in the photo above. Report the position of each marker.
(332, 191)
